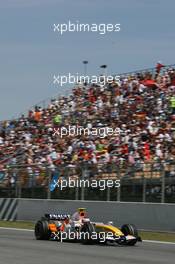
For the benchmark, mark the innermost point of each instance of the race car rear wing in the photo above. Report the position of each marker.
(59, 217)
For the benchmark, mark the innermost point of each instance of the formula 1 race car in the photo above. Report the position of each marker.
(61, 227)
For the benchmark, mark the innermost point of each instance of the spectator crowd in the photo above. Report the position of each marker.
(141, 106)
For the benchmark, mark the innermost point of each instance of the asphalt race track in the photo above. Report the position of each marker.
(20, 247)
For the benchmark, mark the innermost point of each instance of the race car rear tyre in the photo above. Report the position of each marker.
(42, 231)
(128, 229)
(86, 233)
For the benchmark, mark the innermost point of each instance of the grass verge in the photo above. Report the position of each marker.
(17, 224)
(158, 236)
(145, 235)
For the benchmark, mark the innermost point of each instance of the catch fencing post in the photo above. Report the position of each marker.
(144, 190)
(119, 188)
(18, 183)
(76, 193)
(118, 194)
(163, 183)
(49, 173)
(83, 174)
(108, 194)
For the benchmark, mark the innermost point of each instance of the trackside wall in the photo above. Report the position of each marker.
(143, 215)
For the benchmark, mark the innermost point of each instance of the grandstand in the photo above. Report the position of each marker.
(141, 105)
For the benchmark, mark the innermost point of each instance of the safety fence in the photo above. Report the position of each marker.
(152, 71)
(144, 182)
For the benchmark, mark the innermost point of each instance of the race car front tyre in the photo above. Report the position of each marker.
(86, 233)
(128, 229)
(42, 231)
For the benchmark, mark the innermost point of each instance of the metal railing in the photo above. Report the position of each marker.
(146, 182)
(147, 70)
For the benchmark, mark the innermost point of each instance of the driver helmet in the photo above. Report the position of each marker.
(82, 212)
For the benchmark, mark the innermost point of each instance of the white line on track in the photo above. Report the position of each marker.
(147, 241)
(159, 242)
(16, 229)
